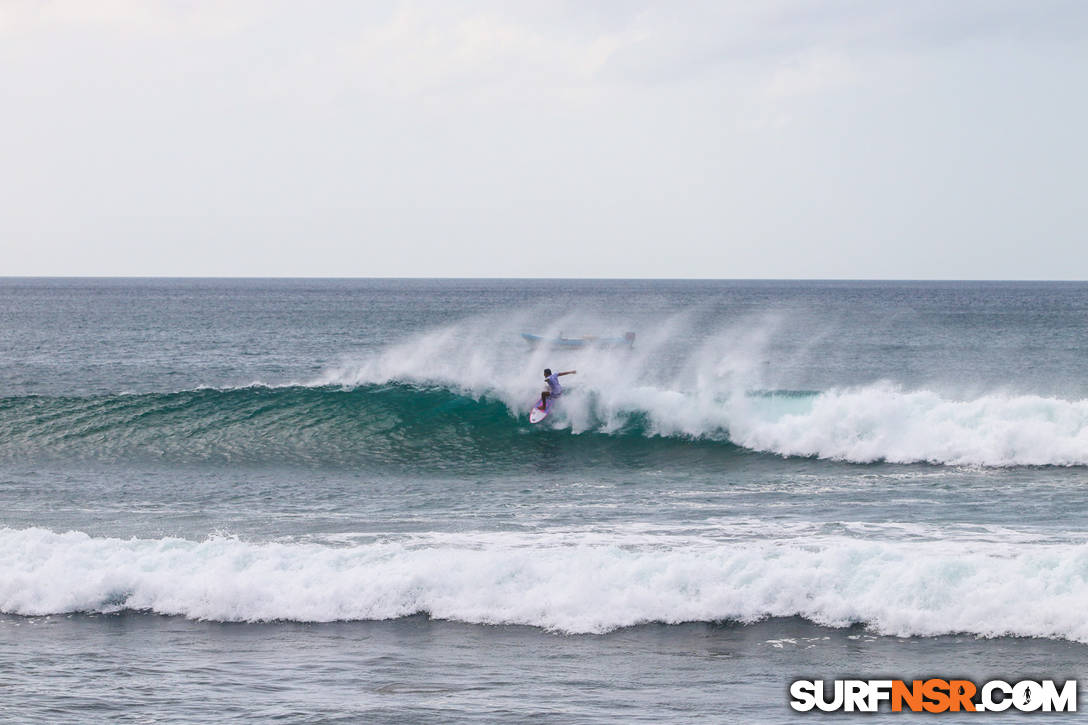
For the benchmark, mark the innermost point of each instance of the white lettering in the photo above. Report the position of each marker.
(988, 702)
(856, 696)
(835, 703)
(879, 691)
(803, 693)
(1064, 701)
(1027, 696)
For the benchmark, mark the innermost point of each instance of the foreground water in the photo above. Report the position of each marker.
(321, 500)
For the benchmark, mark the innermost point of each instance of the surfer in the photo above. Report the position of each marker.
(554, 388)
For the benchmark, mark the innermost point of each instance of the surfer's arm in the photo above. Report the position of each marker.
(569, 372)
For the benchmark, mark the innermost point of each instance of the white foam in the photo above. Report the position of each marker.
(561, 580)
(708, 396)
(884, 422)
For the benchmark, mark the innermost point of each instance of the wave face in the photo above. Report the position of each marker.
(397, 424)
(259, 423)
(566, 581)
(422, 422)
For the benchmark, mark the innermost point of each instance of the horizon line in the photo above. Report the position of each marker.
(535, 279)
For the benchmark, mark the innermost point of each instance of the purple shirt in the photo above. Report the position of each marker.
(553, 385)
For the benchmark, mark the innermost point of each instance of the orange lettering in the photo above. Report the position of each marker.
(936, 691)
(911, 695)
(961, 692)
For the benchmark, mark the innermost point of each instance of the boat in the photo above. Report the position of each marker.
(578, 343)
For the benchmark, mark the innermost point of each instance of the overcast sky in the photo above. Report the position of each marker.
(826, 139)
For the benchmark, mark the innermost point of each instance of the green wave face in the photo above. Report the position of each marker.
(404, 425)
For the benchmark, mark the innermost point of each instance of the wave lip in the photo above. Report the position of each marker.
(563, 581)
(406, 421)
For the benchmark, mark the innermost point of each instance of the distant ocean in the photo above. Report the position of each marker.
(322, 500)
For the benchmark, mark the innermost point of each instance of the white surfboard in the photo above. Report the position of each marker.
(536, 414)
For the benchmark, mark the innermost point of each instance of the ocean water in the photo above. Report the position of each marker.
(322, 500)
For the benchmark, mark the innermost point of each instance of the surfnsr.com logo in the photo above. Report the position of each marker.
(933, 695)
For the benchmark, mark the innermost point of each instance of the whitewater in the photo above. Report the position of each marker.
(561, 580)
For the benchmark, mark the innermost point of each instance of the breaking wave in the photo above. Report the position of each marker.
(422, 421)
(564, 581)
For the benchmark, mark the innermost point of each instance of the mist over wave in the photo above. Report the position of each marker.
(565, 581)
(716, 390)
(459, 396)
